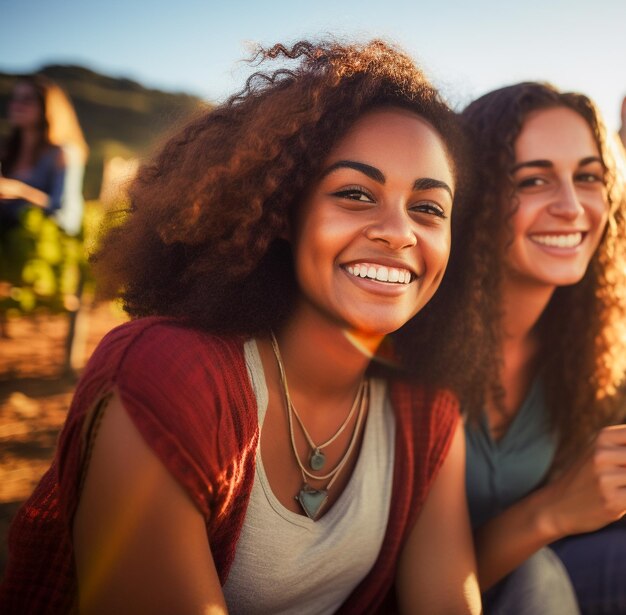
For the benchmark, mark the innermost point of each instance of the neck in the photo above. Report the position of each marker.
(29, 142)
(29, 138)
(321, 359)
(523, 305)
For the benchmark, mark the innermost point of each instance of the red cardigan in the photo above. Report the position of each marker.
(189, 394)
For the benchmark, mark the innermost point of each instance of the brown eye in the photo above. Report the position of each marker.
(355, 194)
(531, 182)
(589, 178)
(430, 208)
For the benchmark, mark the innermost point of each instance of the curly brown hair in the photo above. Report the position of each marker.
(202, 240)
(583, 355)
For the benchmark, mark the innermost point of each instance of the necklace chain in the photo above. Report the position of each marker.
(361, 401)
(319, 447)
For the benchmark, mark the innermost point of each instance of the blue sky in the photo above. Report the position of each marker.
(467, 47)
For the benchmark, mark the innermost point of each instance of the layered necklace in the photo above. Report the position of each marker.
(310, 499)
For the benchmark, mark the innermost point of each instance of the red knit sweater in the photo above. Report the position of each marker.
(189, 394)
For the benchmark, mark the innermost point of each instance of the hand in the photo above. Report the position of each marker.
(592, 493)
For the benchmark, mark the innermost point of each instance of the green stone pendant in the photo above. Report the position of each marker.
(317, 459)
(312, 500)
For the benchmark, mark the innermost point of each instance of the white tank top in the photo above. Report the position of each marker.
(286, 563)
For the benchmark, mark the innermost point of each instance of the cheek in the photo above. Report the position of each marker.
(600, 215)
(600, 218)
(436, 252)
(521, 221)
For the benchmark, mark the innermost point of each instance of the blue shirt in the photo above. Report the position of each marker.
(59, 173)
(500, 473)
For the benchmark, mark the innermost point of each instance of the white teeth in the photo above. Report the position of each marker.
(380, 273)
(570, 240)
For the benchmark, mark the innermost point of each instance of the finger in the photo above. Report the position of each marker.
(608, 456)
(611, 493)
(613, 435)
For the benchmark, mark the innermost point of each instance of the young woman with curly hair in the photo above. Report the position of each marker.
(547, 256)
(238, 445)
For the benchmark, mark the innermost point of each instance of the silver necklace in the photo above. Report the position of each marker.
(310, 499)
(317, 460)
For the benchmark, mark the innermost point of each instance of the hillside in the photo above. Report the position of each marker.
(118, 116)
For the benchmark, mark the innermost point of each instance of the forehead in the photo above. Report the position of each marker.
(555, 134)
(398, 142)
(24, 88)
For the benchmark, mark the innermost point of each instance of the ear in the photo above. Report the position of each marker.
(624, 111)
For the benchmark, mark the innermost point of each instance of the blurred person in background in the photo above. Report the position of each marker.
(545, 460)
(44, 156)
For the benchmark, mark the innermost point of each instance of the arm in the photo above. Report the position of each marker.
(49, 200)
(140, 544)
(11, 189)
(437, 570)
(591, 494)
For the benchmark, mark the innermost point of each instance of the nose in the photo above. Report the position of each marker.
(566, 203)
(394, 227)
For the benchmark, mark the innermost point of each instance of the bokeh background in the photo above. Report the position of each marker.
(137, 69)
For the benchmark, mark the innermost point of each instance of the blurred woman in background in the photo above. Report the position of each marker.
(44, 156)
(547, 255)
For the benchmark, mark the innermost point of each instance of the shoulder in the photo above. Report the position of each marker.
(170, 372)
(52, 156)
(164, 343)
(186, 391)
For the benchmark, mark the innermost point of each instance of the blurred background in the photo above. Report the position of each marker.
(135, 71)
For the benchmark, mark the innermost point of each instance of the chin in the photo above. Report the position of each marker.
(373, 327)
(567, 281)
(567, 278)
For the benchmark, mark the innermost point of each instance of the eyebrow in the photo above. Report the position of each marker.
(424, 183)
(546, 164)
(428, 183)
(366, 169)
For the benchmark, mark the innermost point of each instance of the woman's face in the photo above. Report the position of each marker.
(24, 106)
(372, 239)
(560, 199)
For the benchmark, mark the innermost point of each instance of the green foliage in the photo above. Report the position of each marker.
(40, 266)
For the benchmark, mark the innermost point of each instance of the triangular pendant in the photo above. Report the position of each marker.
(312, 500)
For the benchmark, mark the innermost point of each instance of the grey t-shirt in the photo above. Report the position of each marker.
(287, 564)
(500, 473)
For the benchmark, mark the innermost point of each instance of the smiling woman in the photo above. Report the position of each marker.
(365, 214)
(561, 201)
(239, 446)
(544, 460)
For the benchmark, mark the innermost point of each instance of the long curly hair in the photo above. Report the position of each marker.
(202, 239)
(58, 124)
(582, 330)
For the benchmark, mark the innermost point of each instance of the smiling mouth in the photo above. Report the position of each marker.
(563, 240)
(380, 273)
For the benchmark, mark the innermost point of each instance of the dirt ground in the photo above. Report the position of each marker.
(34, 397)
